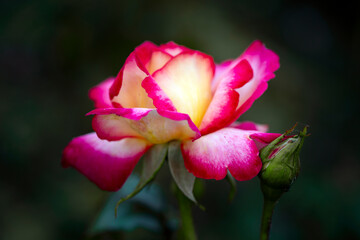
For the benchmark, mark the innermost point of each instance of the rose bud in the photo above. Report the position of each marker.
(281, 164)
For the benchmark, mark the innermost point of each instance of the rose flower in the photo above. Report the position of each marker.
(172, 93)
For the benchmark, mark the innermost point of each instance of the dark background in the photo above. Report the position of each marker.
(52, 52)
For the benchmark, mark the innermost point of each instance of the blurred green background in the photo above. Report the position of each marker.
(52, 52)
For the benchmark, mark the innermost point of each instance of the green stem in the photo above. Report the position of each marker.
(268, 210)
(187, 230)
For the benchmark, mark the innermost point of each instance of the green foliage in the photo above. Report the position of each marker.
(232, 182)
(152, 162)
(183, 179)
(145, 210)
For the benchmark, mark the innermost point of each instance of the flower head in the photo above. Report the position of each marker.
(170, 92)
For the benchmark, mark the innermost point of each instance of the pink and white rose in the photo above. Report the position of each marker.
(170, 92)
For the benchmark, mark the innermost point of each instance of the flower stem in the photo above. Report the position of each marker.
(268, 210)
(187, 230)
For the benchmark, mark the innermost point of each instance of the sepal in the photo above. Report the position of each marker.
(183, 178)
(152, 163)
(232, 183)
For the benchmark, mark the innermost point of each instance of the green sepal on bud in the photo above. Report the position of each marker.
(281, 163)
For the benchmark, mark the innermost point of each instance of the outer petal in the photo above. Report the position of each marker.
(186, 83)
(157, 126)
(230, 149)
(127, 90)
(225, 101)
(264, 63)
(107, 164)
(100, 94)
(258, 132)
(113, 128)
(128, 82)
(263, 139)
(247, 125)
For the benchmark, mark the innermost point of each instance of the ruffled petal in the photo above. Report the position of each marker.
(127, 90)
(173, 49)
(186, 83)
(107, 164)
(264, 63)
(225, 101)
(210, 156)
(100, 94)
(150, 57)
(157, 126)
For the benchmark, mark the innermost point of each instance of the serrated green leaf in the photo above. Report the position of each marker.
(152, 162)
(183, 179)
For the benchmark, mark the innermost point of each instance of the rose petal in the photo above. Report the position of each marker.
(159, 97)
(220, 70)
(186, 81)
(263, 139)
(113, 128)
(264, 63)
(150, 57)
(247, 125)
(100, 94)
(230, 149)
(157, 126)
(173, 49)
(258, 132)
(220, 112)
(127, 90)
(107, 164)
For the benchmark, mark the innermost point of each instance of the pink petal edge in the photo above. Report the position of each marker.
(247, 125)
(100, 94)
(173, 49)
(107, 164)
(144, 60)
(159, 97)
(264, 63)
(155, 125)
(210, 156)
(145, 56)
(220, 112)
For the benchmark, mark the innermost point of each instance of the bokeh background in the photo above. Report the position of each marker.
(52, 52)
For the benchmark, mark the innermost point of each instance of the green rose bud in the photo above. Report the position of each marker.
(281, 163)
